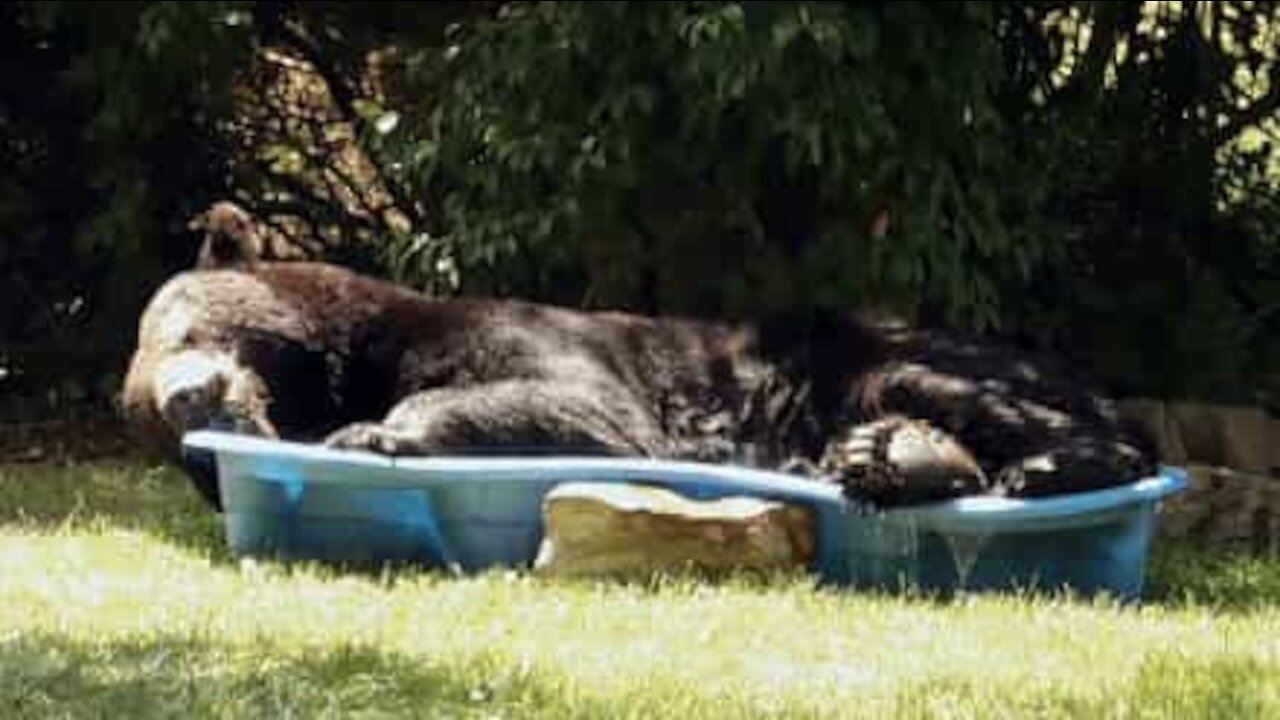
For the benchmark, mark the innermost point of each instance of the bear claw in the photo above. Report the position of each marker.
(375, 438)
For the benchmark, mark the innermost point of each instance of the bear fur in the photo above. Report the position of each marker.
(317, 353)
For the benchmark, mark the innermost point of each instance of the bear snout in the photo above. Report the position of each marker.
(196, 390)
(195, 406)
(189, 390)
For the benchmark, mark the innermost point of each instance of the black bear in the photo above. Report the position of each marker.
(314, 352)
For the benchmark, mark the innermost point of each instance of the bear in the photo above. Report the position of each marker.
(315, 352)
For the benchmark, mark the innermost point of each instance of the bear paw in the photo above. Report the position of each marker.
(897, 461)
(376, 438)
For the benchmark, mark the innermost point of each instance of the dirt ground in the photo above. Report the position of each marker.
(85, 434)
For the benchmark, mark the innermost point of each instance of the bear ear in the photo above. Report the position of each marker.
(230, 238)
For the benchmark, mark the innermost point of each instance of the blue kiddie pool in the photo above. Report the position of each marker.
(295, 501)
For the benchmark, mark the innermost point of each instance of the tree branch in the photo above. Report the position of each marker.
(275, 22)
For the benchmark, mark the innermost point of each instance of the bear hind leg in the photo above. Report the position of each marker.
(896, 460)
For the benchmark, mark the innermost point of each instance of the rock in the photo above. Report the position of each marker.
(1224, 509)
(632, 531)
(1154, 418)
(1241, 438)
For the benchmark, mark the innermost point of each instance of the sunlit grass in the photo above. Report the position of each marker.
(117, 599)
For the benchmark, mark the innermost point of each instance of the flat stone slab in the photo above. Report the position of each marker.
(635, 531)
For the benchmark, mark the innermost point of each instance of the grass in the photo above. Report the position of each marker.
(118, 599)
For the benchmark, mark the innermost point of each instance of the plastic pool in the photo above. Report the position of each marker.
(303, 502)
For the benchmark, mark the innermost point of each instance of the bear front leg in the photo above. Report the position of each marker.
(896, 461)
(510, 417)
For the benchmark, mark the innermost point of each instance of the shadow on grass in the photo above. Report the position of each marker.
(44, 675)
(157, 500)
(1181, 574)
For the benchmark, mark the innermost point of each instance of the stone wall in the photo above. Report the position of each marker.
(1232, 454)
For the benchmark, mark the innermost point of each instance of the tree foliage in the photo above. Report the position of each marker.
(721, 157)
(106, 124)
(1093, 178)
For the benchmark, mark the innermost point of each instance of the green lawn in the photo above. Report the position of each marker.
(117, 599)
